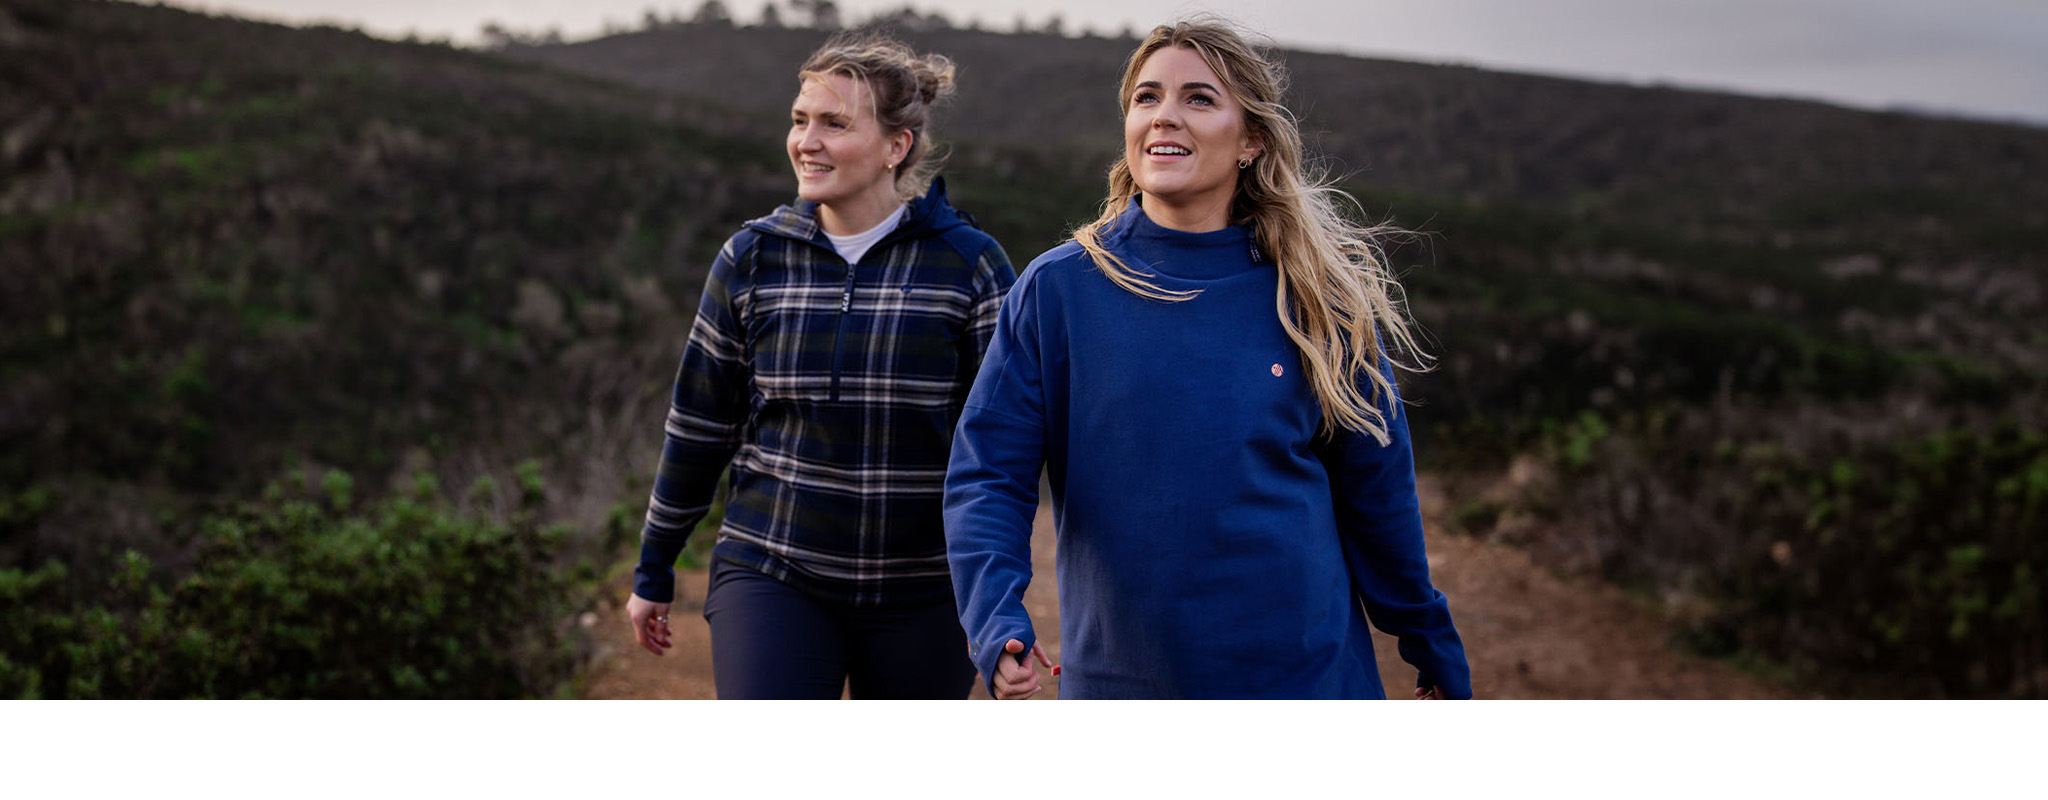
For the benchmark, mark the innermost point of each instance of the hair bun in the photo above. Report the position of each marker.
(934, 74)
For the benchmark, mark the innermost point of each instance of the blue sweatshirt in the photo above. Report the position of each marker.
(1211, 544)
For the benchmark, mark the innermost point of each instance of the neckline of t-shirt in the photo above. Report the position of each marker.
(865, 240)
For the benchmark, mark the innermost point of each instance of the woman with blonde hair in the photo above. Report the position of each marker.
(1205, 373)
(833, 347)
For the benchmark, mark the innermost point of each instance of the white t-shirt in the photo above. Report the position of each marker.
(853, 247)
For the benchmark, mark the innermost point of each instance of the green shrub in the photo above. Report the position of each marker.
(1908, 567)
(298, 596)
(1900, 566)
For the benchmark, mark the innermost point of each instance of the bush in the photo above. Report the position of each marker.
(298, 596)
(1902, 565)
(1910, 567)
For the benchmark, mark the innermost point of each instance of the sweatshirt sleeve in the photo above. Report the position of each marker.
(992, 488)
(707, 410)
(993, 277)
(1380, 520)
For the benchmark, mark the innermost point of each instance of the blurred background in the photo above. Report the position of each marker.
(335, 340)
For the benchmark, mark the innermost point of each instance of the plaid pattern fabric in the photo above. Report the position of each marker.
(832, 392)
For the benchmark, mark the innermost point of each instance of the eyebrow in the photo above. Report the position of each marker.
(1184, 86)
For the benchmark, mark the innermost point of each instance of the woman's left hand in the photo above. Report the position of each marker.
(650, 623)
(1430, 693)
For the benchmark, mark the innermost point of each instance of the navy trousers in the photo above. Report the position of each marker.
(772, 642)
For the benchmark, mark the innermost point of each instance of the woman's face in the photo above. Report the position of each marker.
(1183, 136)
(840, 152)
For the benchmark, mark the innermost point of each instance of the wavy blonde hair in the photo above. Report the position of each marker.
(902, 89)
(1338, 300)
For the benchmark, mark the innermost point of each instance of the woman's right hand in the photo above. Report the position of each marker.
(1017, 678)
(650, 623)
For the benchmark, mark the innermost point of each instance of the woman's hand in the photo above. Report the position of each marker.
(1431, 693)
(650, 623)
(1017, 678)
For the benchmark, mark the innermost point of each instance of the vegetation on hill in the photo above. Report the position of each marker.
(1773, 363)
(237, 250)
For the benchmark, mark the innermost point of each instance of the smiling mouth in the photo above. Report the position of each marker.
(810, 168)
(1168, 150)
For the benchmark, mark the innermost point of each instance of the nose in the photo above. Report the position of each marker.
(1165, 115)
(809, 142)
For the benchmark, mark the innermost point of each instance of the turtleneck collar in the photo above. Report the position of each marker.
(1180, 254)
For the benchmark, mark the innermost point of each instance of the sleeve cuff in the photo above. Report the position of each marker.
(655, 577)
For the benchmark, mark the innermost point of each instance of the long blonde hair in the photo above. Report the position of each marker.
(1337, 298)
(902, 86)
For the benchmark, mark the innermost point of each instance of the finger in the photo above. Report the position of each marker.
(1019, 691)
(1012, 683)
(654, 635)
(1040, 652)
(1015, 673)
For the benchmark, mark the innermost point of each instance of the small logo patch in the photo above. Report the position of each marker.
(1277, 371)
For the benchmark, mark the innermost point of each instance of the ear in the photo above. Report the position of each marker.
(1254, 145)
(900, 143)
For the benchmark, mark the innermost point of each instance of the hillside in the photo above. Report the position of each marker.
(1831, 246)
(1771, 366)
(232, 245)
(1698, 163)
(236, 254)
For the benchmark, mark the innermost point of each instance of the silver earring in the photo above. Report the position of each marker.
(1244, 161)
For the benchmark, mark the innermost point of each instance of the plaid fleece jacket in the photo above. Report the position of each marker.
(832, 391)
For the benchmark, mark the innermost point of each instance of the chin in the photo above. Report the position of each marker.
(813, 193)
(1162, 193)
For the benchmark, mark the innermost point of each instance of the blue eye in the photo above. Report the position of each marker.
(1202, 99)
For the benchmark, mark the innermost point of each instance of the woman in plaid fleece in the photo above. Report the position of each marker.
(1206, 375)
(835, 342)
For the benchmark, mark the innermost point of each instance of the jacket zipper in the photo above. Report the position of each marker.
(839, 335)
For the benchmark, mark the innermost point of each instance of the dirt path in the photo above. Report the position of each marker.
(1528, 633)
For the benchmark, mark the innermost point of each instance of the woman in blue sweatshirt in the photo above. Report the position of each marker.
(833, 347)
(1205, 373)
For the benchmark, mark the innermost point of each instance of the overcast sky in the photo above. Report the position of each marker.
(1985, 58)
